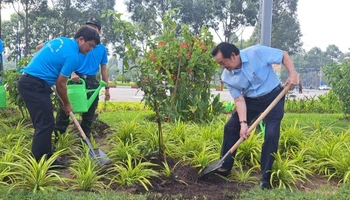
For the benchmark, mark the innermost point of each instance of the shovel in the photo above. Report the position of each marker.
(218, 164)
(97, 154)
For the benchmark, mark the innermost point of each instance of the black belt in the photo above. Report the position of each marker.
(276, 89)
(86, 77)
(28, 75)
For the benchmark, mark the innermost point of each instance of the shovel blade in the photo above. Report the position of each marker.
(212, 167)
(100, 157)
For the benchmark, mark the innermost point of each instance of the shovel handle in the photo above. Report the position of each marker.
(261, 117)
(77, 125)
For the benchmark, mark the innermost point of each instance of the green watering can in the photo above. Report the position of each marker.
(2, 97)
(77, 95)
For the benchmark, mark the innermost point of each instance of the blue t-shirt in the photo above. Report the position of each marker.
(256, 77)
(58, 56)
(89, 64)
(1, 46)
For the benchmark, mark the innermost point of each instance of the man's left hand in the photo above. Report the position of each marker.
(107, 95)
(292, 81)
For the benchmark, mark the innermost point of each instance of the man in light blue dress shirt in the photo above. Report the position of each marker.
(253, 84)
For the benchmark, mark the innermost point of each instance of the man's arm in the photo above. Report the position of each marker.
(104, 74)
(289, 65)
(241, 109)
(37, 48)
(61, 87)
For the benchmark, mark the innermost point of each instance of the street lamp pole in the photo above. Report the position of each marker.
(266, 23)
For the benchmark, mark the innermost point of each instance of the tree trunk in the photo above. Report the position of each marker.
(26, 30)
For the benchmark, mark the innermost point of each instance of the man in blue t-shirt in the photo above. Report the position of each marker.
(89, 66)
(253, 84)
(52, 65)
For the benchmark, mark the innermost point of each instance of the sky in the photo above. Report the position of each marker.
(322, 22)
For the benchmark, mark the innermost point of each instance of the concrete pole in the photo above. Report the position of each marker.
(266, 23)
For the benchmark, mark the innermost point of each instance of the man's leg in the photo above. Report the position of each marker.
(62, 120)
(36, 95)
(231, 136)
(271, 139)
(88, 117)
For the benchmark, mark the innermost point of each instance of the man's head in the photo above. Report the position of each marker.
(227, 55)
(87, 39)
(95, 23)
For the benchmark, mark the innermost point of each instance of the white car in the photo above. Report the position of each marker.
(324, 87)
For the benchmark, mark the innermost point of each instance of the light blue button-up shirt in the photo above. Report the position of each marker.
(256, 77)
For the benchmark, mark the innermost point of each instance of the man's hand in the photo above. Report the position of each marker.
(243, 133)
(67, 108)
(292, 81)
(75, 78)
(107, 95)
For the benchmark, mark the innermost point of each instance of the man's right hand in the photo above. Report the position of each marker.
(243, 133)
(67, 108)
(75, 78)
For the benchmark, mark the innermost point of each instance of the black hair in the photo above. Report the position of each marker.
(226, 50)
(88, 34)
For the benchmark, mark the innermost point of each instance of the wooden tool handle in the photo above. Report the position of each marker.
(261, 117)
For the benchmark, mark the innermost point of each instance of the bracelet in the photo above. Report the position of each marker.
(107, 87)
(243, 121)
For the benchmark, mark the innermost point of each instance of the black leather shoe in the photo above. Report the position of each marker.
(58, 165)
(265, 185)
(222, 172)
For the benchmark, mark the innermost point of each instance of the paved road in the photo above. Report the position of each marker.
(125, 93)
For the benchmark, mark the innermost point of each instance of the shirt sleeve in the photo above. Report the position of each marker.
(233, 91)
(71, 62)
(104, 57)
(272, 55)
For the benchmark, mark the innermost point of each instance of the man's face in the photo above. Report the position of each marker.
(228, 63)
(85, 47)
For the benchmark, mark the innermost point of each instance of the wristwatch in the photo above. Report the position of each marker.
(243, 121)
(107, 87)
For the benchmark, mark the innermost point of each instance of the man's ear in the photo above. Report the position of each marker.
(233, 55)
(80, 39)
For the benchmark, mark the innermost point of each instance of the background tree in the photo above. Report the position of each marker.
(28, 6)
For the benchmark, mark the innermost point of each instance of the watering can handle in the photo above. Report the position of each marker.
(261, 117)
(80, 81)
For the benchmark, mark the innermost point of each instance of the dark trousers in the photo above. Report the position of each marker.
(36, 95)
(272, 130)
(62, 119)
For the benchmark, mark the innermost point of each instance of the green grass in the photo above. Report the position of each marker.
(7, 194)
(307, 120)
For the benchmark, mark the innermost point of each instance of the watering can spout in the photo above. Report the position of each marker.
(96, 93)
(77, 95)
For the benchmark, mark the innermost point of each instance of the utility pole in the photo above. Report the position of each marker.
(266, 23)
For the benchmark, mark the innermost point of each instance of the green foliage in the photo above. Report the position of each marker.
(326, 103)
(239, 173)
(87, 175)
(291, 138)
(339, 77)
(35, 175)
(122, 150)
(249, 151)
(182, 66)
(208, 154)
(286, 172)
(133, 172)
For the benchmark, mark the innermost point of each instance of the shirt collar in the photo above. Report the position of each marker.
(244, 59)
